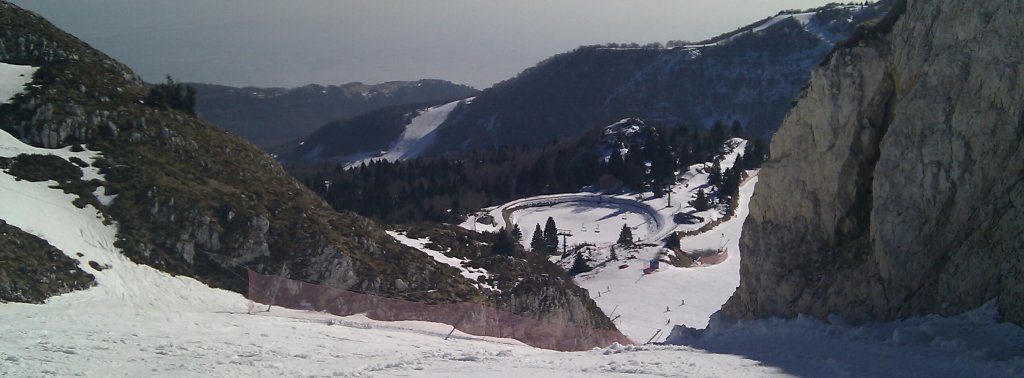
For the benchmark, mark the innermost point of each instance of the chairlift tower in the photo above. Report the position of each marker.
(565, 234)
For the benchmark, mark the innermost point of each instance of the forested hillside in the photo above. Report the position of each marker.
(628, 156)
(751, 75)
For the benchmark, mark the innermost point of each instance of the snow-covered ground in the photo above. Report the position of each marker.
(597, 218)
(142, 322)
(418, 135)
(644, 307)
(13, 79)
(804, 18)
(973, 344)
(588, 220)
(648, 306)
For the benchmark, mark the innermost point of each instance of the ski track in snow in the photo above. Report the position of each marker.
(139, 321)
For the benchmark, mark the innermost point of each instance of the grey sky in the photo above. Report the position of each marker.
(291, 43)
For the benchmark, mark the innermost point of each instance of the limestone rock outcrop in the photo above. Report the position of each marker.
(896, 182)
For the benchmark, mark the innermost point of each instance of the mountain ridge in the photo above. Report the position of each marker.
(275, 118)
(750, 75)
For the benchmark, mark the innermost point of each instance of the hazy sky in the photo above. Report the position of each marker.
(296, 42)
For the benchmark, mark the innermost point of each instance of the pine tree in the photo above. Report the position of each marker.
(672, 241)
(715, 174)
(172, 95)
(551, 235)
(503, 244)
(625, 237)
(718, 134)
(537, 242)
(737, 129)
(579, 265)
(517, 234)
(701, 202)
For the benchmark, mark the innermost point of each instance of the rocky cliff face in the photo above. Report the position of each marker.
(896, 182)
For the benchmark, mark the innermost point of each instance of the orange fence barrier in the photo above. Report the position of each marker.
(471, 318)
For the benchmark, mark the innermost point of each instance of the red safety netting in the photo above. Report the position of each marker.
(471, 318)
(714, 259)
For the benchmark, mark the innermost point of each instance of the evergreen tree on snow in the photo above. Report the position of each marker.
(701, 202)
(517, 234)
(625, 237)
(551, 235)
(579, 265)
(537, 242)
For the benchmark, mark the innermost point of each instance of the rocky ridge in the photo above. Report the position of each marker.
(895, 183)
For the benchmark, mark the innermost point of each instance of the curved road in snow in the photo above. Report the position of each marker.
(661, 228)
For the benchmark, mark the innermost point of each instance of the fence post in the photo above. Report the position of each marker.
(652, 337)
(277, 285)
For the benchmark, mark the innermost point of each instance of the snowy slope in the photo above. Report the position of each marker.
(647, 304)
(418, 135)
(638, 302)
(142, 322)
(13, 79)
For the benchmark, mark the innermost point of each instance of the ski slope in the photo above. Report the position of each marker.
(644, 307)
(419, 134)
(648, 306)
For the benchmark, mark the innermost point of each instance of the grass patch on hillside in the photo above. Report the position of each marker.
(32, 270)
